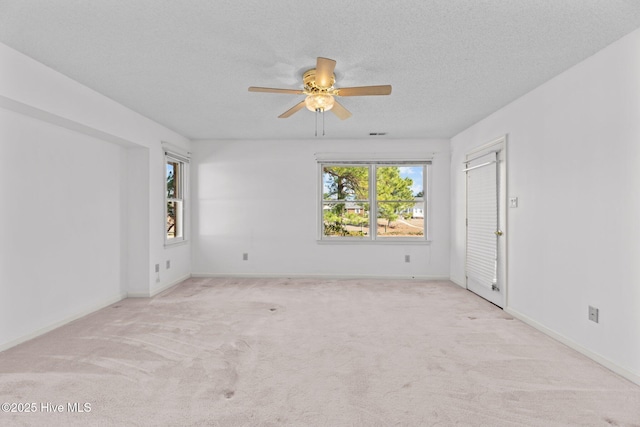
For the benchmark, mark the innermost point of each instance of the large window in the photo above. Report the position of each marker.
(175, 197)
(374, 201)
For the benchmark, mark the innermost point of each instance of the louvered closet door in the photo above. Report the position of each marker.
(483, 227)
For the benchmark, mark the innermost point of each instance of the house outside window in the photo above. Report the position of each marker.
(373, 201)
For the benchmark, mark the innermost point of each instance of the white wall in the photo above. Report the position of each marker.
(574, 240)
(83, 203)
(260, 197)
(61, 235)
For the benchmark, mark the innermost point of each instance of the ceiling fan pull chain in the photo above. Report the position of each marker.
(317, 122)
(322, 122)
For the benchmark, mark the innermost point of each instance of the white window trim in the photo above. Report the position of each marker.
(183, 159)
(372, 162)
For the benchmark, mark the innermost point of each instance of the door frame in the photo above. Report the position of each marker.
(498, 144)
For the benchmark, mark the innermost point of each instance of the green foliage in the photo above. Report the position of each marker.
(390, 187)
(346, 182)
(355, 219)
(333, 225)
(172, 169)
(171, 184)
(351, 183)
(337, 220)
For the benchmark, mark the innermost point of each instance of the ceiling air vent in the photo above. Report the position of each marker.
(377, 133)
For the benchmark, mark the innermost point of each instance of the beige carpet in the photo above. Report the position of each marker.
(302, 352)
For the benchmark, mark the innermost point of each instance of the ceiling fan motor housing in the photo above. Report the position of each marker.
(310, 85)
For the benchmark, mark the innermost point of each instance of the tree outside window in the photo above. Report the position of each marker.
(396, 195)
(345, 209)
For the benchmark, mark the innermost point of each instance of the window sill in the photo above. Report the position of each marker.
(175, 244)
(372, 242)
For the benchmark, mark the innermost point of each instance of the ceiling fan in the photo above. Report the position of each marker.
(320, 92)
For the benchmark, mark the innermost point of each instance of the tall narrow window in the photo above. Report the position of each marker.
(175, 198)
(374, 201)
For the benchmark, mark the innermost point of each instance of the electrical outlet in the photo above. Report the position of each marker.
(407, 258)
(168, 264)
(593, 314)
(157, 268)
(245, 256)
(513, 202)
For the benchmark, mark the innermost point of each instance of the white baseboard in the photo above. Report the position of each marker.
(631, 376)
(156, 291)
(80, 313)
(459, 282)
(316, 276)
(163, 288)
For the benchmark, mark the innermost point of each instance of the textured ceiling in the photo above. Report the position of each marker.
(187, 64)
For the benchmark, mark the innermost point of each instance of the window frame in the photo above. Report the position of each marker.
(372, 199)
(181, 194)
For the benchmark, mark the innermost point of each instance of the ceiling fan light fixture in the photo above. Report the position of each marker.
(319, 101)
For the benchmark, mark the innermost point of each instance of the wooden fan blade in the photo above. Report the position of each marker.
(340, 111)
(272, 90)
(324, 72)
(292, 110)
(365, 90)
